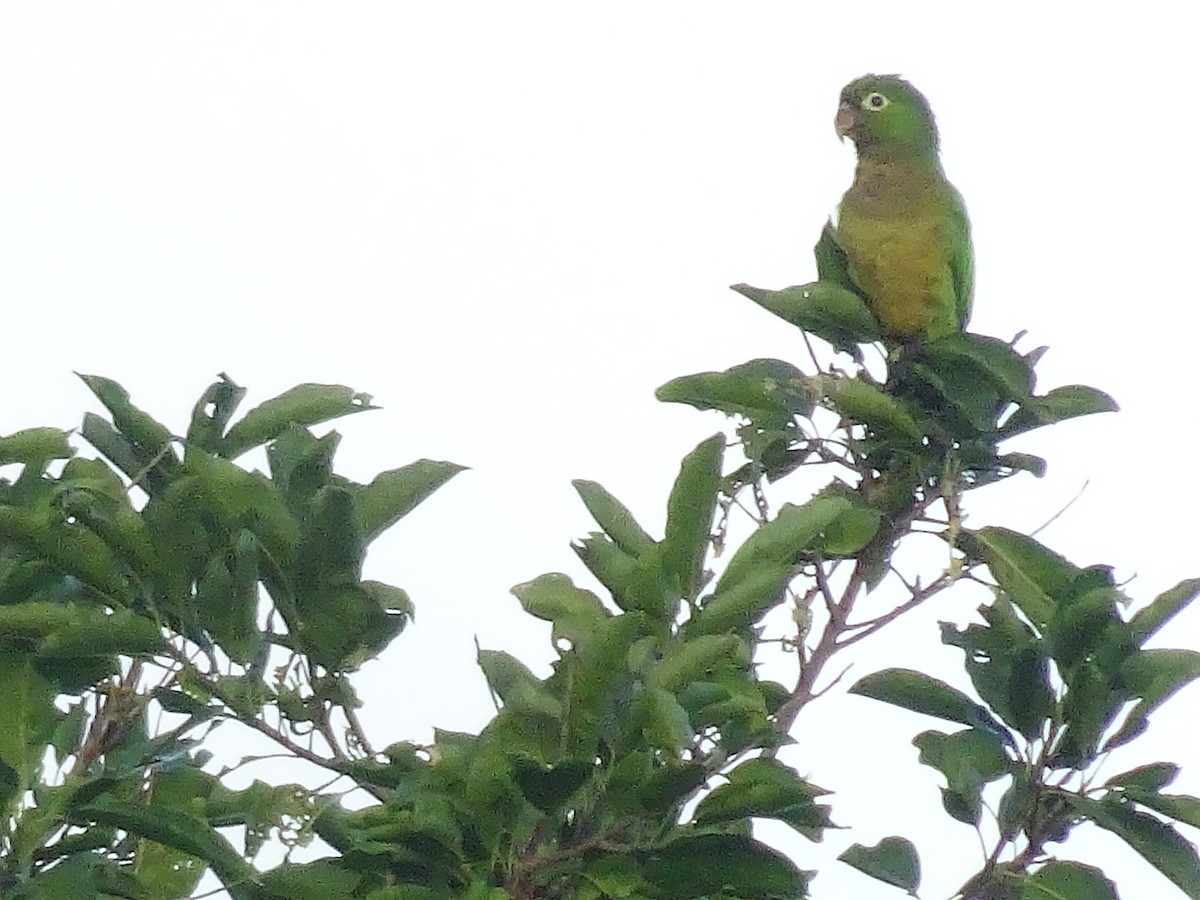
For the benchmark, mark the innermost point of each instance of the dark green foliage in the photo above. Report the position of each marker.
(93, 589)
(893, 861)
(1062, 672)
(151, 595)
(821, 308)
(1067, 679)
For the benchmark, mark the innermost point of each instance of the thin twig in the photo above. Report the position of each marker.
(836, 614)
(919, 596)
(1050, 520)
(812, 354)
(836, 678)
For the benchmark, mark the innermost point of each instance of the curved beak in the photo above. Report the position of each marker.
(845, 120)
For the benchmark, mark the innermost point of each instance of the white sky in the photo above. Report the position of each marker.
(511, 222)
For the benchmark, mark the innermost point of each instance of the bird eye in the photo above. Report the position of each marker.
(875, 100)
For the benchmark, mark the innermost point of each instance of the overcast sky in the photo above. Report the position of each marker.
(510, 222)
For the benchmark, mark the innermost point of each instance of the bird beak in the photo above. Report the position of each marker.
(845, 120)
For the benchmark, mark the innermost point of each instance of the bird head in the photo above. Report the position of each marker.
(886, 112)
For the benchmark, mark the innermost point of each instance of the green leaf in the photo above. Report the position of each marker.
(575, 613)
(692, 659)
(171, 872)
(1068, 881)
(893, 861)
(647, 586)
(1149, 777)
(147, 442)
(120, 527)
(23, 624)
(1153, 676)
(177, 701)
(1084, 624)
(1158, 843)
(768, 392)
(35, 447)
(612, 566)
(305, 405)
(212, 412)
(821, 308)
(262, 808)
(226, 495)
(615, 875)
(1018, 802)
(737, 606)
(1032, 576)
(85, 875)
(663, 722)
(1008, 665)
(852, 530)
(614, 518)
(766, 788)
(1088, 710)
(181, 533)
(1023, 462)
(863, 403)
(780, 541)
(924, 694)
(132, 422)
(421, 892)
(177, 829)
(301, 463)
(1146, 622)
(68, 731)
(29, 722)
(690, 510)
(508, 677)
(342, 624)
(1180, 807)
(72, 547)
(227, 600)
(961, 401)
(111, 443)
(969, 759)
(393, 494)
(740, 713)
(989, 359)
(1057, 405)
(597, 671)
(548, 787)
(332, 546)
(715, 865)
(832, 263)
(324, 879)
(662, 787)
(123, 632)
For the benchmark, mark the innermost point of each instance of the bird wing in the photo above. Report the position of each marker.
(962, 258)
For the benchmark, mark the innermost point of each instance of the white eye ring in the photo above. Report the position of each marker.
(875, 100)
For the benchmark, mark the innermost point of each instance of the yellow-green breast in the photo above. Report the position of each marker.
(903, 227)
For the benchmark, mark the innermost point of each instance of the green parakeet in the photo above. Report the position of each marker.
(902, 225)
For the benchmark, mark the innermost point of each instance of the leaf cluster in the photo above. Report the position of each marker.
(196, 585)
(1065, 679)
(637, 767)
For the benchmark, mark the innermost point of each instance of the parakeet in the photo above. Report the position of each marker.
(902, 225)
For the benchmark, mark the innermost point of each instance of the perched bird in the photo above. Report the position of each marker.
(902, 225)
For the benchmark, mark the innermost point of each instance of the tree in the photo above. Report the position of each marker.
(165, 583)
